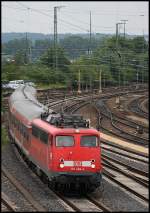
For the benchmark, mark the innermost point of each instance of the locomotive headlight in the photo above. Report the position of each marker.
(93, 166)
(61, 165)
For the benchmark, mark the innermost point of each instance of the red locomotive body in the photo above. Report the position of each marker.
(62, 148)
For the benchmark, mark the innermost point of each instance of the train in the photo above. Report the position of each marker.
(62, 148)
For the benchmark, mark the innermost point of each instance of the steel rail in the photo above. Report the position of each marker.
(138, 171)
(103, 110)
(134, 107)
(123, 154)
(125, 149)
(100, 205)
(133, 177)
(22, 190)
(7, 202)
(124, 119)
(139, 105)
(125, 187)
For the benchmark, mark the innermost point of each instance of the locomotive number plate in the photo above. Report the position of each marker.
(77, 163)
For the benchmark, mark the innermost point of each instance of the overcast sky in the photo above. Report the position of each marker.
(38, 16)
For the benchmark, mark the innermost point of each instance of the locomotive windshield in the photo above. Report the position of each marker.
(90, 141)
(64, 140)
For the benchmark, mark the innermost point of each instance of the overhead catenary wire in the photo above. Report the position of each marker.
(12, 7)
(66, 22)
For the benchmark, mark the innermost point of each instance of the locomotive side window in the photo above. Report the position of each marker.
(38, 133)
(64, 141)
(35, 131)
(89, 141)
(43, 136)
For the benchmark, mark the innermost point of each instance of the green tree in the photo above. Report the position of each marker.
(19, 58)
(11, 71)
(48, 58)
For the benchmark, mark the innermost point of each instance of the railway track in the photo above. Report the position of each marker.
(112, 125)
(65, 101)
(84, 204)
(144, 105)
(140, 155)
(6, 204)
(129, 171)
(126, 153)
(125, 182)
(137, 109)
(122, 118)
(22, 190)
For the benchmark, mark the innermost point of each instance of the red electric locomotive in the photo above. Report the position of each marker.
(62, 148)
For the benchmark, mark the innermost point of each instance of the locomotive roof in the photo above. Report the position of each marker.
(55, 130)
(24, 101)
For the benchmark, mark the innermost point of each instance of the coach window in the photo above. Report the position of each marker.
(23, 131)
(20, 128)
(26, 133)
(10, 119)
(17, 124)
(64, 140)
(89, 141)
(14, 121)
(27, 136)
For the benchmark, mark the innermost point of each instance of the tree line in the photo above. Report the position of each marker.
(123, 63)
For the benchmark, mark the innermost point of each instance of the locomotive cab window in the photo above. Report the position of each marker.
(89, 141)
(64, 141)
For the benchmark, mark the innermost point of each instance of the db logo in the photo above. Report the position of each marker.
(77, 163)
